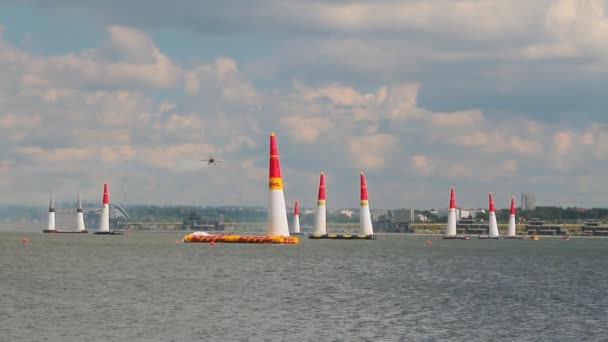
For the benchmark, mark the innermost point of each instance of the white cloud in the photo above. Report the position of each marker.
(306, 129)
(337, 94)
(371, 152)
(595, 141)
(563, 142)
(222, 79)
(525, 146)
(422, 164)
(469, 118)
(10, 122)
(179, 122)
(580, 26)
(129, 60)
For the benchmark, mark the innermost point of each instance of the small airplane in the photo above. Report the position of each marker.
(212, 161)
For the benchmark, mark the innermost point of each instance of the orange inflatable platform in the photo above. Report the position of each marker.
(286, 240)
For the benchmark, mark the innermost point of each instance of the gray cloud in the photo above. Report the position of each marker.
(536, 58)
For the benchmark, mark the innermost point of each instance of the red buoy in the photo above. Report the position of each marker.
(25, 240)
(428, 242)
(212, 243)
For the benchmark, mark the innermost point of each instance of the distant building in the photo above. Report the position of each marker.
(538, 227)
(460, 213)
(443, 212)
(195, 221)
(528, 201)
(394, 221)
(474, 212)
(591, 227)
(403, 215)
(470, 226)
(378, 213)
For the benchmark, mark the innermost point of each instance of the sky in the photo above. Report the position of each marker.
(487, 96)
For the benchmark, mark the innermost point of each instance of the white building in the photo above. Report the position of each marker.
(461, 213)
(347, 212)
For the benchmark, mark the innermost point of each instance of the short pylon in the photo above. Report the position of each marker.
(79, 216)
(493, 225)
(511, 226)
(104, 219)
(365, 219)
(451, 227)
(50, 227)
(320, 221)
(296, 218)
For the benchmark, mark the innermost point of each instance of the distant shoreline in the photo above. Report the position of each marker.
(161, 231)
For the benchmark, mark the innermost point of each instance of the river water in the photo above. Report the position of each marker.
(149, 287)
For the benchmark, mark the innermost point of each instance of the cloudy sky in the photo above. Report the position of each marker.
(488, 95)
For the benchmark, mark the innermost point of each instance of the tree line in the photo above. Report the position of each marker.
(548, 214)
(258, 214)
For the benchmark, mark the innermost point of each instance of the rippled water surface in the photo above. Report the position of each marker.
(148, 287)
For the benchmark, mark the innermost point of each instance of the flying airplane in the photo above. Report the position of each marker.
(212, 161)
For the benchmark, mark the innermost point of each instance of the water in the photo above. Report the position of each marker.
(147, 287)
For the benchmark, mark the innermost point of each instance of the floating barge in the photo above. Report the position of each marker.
(342, 236)
(487, 237)
(455, 237)
(46, 231)
(284, 240)
(111, 232)
(516, 237)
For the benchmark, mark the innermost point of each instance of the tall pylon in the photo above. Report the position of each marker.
(277, 212)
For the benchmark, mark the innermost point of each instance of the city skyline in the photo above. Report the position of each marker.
(494, 96)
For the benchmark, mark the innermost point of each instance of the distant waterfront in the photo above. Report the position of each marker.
(251, 227)
(33, 214)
